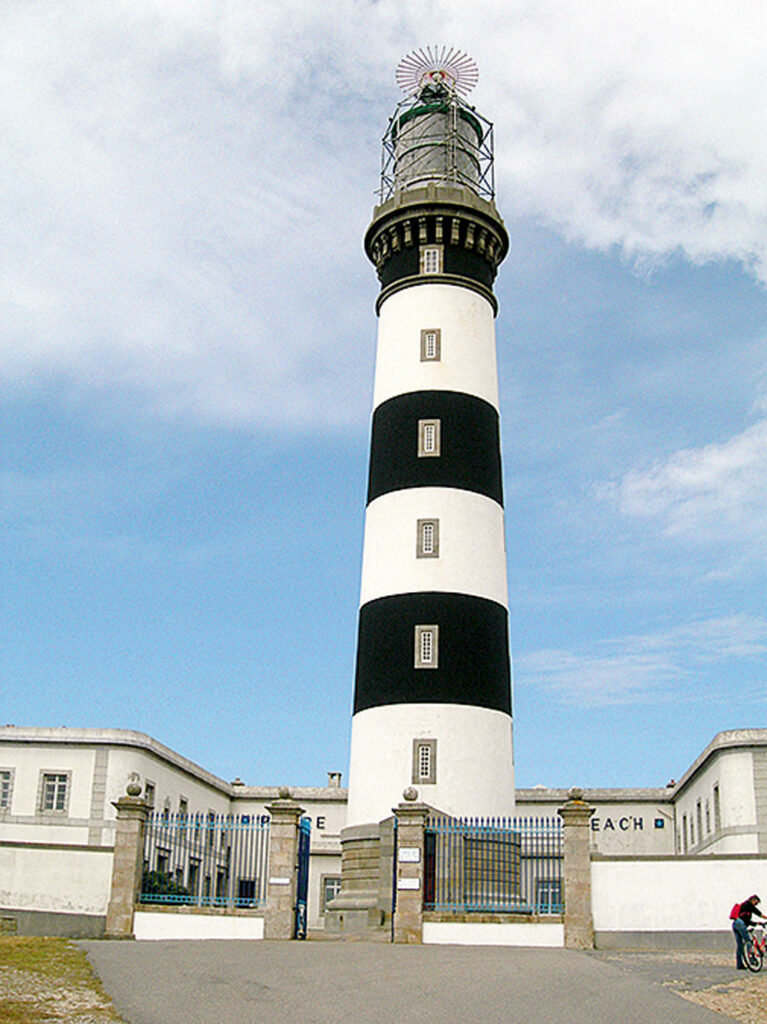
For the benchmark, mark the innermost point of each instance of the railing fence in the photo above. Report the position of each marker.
(493, 864)
(215, 860)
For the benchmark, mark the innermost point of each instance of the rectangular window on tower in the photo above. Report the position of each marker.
(427, 646)
(431, 345)
(424, 762)
(427, 545)
(428, 438)
(431, 259)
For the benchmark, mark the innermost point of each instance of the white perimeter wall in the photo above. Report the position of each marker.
(63, 881)
(672, 895)
(148, 924)
(464, 933)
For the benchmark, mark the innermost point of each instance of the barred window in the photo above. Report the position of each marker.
(427, 542)
(431, 345)
(54, 791)
(426, 646)
(428, 438)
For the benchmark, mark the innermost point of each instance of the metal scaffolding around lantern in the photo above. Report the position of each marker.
(434, 136)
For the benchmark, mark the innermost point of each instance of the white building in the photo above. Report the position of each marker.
(57, 819)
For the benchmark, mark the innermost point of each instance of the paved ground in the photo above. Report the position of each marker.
(356, 983)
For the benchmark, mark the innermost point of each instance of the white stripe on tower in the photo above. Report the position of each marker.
(432, 695)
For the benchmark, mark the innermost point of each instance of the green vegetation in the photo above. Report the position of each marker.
(49, 980)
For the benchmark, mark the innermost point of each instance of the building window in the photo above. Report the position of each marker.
(708, 818)
(6, 788)
(183, 807)
(428, 438)
(331, 886)
(431, 259)
(193, 878)
(149, 793)
(431, 345)
(717, 809)
(54, 792)
(684, 833)
(699, 821)
(424, 762)
(427, 543)
(549, 896)
(426, 646)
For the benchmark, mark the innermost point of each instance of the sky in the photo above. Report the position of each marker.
(187, 346)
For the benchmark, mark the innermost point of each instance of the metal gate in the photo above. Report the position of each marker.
(302, 881)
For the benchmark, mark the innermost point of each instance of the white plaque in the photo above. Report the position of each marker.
(277, 880)
(409, 855)
(408, 883)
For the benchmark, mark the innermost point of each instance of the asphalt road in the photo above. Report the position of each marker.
(350, 983)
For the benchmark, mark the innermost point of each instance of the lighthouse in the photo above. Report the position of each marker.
(432, 697)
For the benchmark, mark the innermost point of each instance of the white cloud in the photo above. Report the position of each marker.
(184, 185)
(646, 668)
(714, 493)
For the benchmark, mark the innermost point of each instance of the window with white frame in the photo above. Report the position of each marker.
(431, 259)
(426, 646)
(424, 761)
(54, 792)
(331, 886)
(429, 438)
(6, 788)
(427, 543)
(431, 345)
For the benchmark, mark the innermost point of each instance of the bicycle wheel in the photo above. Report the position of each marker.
(754, 958)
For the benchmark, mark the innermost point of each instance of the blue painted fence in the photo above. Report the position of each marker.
(206, 859)
(508, 865)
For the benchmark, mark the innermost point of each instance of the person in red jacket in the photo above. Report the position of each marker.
(749, 908)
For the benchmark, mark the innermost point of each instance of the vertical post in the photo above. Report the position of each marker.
(579, 922)
(283, 862)
(411, 826)
(132, 813)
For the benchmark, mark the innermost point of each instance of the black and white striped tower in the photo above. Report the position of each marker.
(432, 704)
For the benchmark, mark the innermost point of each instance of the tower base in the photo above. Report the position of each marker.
(363, 908)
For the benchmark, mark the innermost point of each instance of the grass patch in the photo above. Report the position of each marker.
(49, 980)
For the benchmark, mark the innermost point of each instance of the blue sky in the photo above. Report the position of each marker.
(187, 359)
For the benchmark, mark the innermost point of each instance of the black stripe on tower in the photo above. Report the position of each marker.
(461, 262)
(470, 449)
(473, 658)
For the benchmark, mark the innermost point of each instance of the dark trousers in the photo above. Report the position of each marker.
(741, 937)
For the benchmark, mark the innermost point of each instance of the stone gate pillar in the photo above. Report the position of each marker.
(411, 826)
(279, 914)
(579, 922)
(127, 862)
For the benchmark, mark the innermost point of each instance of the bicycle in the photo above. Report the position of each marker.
(755, 947)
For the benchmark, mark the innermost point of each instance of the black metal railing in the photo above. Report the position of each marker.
(510, 865)
(205, 859)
